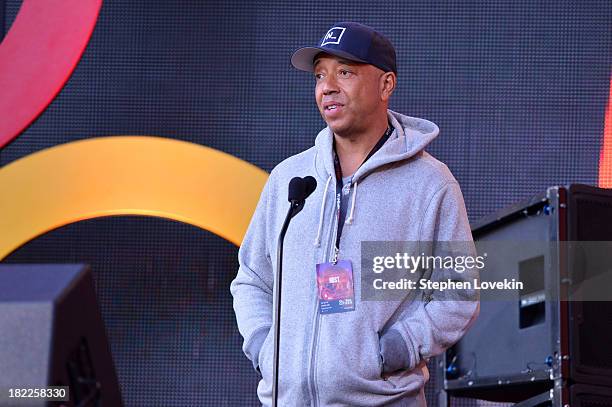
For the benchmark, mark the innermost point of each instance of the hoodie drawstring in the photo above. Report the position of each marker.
(352, 214)
(317, 241)
(350, 219)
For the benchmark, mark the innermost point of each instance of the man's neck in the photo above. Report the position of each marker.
(352, 150)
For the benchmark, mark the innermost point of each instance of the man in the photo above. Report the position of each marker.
(375, 183)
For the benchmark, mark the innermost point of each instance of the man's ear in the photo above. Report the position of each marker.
(388, 80)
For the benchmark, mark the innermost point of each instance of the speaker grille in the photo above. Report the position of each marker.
(594, 333)
(595, 403)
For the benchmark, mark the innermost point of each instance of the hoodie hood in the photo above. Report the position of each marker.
(410, 136)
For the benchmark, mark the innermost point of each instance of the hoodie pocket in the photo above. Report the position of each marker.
(409, 380)
(376, 352)
(264, 358)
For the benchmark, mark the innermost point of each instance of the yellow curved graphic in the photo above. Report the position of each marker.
(126, 175)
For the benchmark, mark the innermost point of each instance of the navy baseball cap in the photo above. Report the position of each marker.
(353, 41)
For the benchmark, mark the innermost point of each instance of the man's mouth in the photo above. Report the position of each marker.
(332, 107)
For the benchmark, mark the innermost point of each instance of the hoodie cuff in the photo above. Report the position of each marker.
(394, 352)
(255, 344)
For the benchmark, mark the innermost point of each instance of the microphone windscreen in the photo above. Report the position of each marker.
(310, 184)
(296, 189)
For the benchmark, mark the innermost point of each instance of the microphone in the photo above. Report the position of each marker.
(299, 190)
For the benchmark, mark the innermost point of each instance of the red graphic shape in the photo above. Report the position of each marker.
(605, 157)
(37, 57)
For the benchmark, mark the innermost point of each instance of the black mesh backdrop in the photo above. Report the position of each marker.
(518, 88)
(2, 29)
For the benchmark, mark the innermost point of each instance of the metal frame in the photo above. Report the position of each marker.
(537, 400)
(557, 197)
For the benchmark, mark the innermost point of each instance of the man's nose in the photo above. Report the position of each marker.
(330, 85)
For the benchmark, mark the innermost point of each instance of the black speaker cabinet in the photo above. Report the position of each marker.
(538, 341)
(582, 395)
(52, 334)
(579, 395)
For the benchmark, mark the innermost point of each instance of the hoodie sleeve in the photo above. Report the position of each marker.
(440, 319)
(252, 287)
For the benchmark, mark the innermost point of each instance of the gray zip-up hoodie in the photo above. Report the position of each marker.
(400, 194)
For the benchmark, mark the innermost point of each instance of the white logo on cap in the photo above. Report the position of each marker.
(333, 36)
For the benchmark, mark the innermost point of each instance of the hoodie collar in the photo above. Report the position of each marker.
(410, 136)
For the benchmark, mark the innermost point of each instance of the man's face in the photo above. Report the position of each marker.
(348, 94)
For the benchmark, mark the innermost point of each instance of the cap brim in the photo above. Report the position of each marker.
(302, 59)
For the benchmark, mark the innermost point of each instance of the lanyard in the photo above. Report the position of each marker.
(338, 171)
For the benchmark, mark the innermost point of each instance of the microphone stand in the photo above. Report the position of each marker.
(295, 207)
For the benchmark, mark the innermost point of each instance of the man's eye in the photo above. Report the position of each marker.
(318, 76)
(343, 73)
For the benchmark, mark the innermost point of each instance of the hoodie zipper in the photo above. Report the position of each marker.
(335, 252)
(315, 336)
